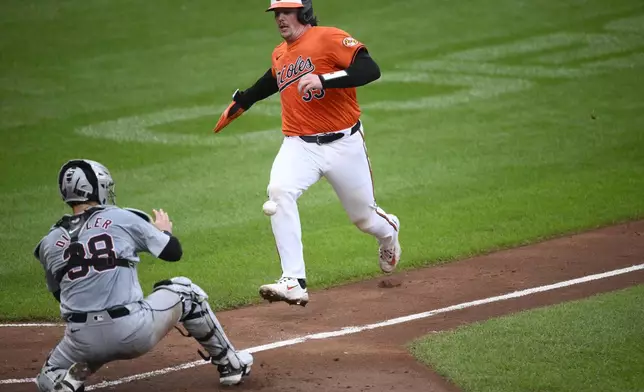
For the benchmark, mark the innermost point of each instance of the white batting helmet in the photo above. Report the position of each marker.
(275, 4)
(305, 9)
(82, 180)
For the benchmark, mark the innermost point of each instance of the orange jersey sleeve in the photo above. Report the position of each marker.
(342, 47)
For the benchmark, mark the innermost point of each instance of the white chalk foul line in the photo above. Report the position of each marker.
(33, 325)
(17, 381)
(351, 330)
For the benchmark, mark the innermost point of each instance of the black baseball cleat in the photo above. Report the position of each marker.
(230, 376)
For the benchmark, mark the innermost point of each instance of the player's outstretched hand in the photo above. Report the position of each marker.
(233, 111)
(162, 220)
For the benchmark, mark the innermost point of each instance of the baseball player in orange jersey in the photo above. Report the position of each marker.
(316, 71)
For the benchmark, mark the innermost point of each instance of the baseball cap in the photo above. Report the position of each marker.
(285, 4)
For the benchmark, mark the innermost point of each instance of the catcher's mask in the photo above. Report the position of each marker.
(83, 180)
(304, 12)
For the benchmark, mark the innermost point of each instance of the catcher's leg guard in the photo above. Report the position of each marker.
(202, 324)
(55, 379)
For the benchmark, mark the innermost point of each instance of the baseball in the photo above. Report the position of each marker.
(270, 207)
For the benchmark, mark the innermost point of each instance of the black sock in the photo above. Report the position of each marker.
(302, 283)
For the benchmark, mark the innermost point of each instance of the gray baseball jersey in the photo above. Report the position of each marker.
(91, 258)
(108, 232)
(92, 285)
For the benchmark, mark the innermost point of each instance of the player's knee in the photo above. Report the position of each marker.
(181, 285)
(188, 291)
(278, 192)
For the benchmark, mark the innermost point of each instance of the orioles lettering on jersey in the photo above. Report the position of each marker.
(293, 72)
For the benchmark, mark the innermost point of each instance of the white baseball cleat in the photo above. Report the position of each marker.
(390, 255)
(288, 290)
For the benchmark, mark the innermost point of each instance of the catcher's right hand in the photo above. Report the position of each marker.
(234, 110)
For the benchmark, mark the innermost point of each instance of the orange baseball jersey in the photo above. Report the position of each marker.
(319, 50)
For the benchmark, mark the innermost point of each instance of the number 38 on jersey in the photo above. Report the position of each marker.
(99, 248)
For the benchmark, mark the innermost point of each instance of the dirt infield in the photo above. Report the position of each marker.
(375, 359)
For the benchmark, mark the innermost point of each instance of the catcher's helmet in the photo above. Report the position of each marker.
(305, 11)
(82, 180)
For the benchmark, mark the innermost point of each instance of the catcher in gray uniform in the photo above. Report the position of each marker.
(90, 261)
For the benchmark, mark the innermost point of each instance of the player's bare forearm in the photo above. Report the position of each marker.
(363, 70)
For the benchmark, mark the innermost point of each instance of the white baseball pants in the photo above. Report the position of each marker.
(345, 164)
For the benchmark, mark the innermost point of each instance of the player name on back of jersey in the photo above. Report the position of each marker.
(293, 71)
(94, 223)
(97, 223)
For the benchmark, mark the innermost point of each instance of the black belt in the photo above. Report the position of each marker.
(115, 312)
(329, 137)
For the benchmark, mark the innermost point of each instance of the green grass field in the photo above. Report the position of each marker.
(495, 124)
(590, 345)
